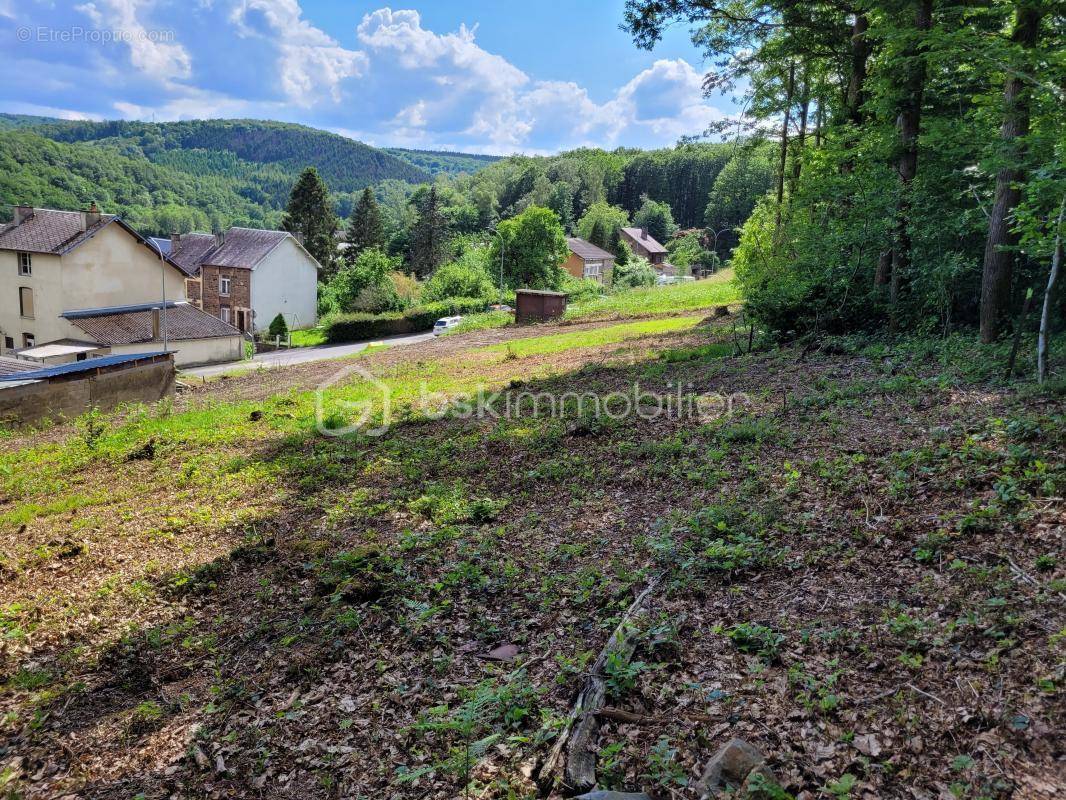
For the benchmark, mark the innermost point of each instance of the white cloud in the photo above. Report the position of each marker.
(404, 84)
(309, 60)
(150, 53)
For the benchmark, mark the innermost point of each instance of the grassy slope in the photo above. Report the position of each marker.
(720, 289)
(854, 575)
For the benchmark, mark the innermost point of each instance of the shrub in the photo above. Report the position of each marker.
(579, 289)
(278, 327)
(465, 277)
(344, 292)
(356, 327)
(637, 272)
(376, 299)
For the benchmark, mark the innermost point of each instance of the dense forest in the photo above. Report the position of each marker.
(442, 162)
(921, 155)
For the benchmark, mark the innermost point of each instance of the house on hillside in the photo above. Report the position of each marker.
(62, 267)
(644, 245)
(246, 276)
(586, 260)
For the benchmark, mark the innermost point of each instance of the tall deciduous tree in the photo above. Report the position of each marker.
(366, 228)
(429, 237)
(997, 272)
(534, 248)
(309, 215)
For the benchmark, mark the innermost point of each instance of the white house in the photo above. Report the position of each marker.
(247, 276)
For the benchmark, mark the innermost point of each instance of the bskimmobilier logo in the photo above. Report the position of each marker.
(355, 401)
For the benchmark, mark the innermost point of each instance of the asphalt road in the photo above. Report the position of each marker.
(301, 355)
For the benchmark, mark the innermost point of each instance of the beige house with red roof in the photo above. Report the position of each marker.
(80, 284)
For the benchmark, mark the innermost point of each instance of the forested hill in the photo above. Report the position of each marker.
(345, 164)
(443, 162)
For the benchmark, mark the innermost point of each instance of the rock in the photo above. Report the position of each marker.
(721, 311)
(600, 794)
(731, 766)
(505, 652)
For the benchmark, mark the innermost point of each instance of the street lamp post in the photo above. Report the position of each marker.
(163, 284)
(496, 232)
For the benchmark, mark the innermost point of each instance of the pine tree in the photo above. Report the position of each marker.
(309, 215)
(598, 236)
(365, 226)
(429, 237)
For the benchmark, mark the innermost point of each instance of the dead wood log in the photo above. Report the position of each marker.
(578, 736)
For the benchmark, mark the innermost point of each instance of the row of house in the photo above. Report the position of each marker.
(86, 284)
(586, 260)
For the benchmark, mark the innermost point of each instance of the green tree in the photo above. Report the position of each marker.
(365, 227)
(746, 178)
(598, 236)
(429, 236)
(657, 218)
(309, 216)
(534, 248)
(610, 219)
(369, 270)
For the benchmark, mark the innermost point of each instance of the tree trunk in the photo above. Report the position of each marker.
(783, 158)
(860, 54)
(801, 136)
(910, 119)
(1045, 314)
(997, 274)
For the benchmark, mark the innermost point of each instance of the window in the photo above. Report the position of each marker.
(25, 264)
(9, 342)
(593, 269)
(29, 340)
(225, 313)
(26, 302)
(223, 286)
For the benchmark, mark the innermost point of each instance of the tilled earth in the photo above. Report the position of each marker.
(859, 572)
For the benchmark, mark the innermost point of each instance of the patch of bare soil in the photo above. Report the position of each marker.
(859, 572)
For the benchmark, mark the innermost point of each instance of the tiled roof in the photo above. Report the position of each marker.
(587, 250)
(52, 232)
(189, 250)
(13, 366)
(131, 327)
(244, 247)
(241, 248)
(648, 243)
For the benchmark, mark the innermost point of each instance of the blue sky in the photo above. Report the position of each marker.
(496, 77)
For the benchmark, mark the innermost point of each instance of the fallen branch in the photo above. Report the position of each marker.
(578, 735)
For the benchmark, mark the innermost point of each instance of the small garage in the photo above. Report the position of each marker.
(538, 305)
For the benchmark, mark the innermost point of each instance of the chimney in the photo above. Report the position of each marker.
(23, 213)
(643, 233)
(155, 323)
(92, 216)
(220, 238)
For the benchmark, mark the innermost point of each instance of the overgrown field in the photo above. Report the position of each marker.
(859, 571)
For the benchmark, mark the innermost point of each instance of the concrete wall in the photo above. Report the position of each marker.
(111, 269)
(190, 352)
(286, 283)
(29, 403)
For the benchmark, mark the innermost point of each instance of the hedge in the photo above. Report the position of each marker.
(356, 327)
